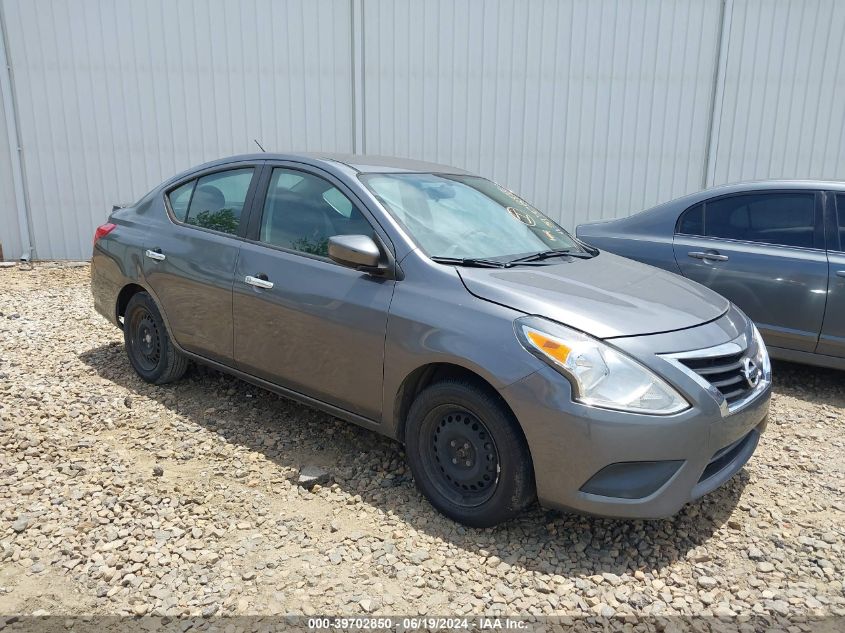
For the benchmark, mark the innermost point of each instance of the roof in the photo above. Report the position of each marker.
(648, 219)
(360, 163)
(736, 187)
(365, 163)
(758, 185)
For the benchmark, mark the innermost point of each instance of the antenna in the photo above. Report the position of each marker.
(259, 145)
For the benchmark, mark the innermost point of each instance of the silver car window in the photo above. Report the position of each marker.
(466, 216)
(218, 200)
(781, 218)
(302, 211)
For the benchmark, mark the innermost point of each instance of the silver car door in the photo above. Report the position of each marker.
(301, 320)
(764, 251)
(190, 254)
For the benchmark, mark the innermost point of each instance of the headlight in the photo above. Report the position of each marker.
(761, 355)
(601, 376)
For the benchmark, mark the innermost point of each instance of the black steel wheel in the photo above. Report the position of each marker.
(148, 345)
(146, 339)
(467, 453)
(462, 456)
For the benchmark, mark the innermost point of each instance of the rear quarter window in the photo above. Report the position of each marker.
(692, 221)
(180, 198)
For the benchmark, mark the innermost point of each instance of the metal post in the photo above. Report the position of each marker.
(709, 178)
(15, 148)
(358, 136)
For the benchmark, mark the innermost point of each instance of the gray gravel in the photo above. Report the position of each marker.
(117, 497)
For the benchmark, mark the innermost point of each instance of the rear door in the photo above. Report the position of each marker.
(302, 321)
(832, 339)
(189, 259)
(765, 252)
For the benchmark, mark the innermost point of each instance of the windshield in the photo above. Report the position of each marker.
(466, 216)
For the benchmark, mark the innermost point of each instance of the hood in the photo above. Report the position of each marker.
(606, 296)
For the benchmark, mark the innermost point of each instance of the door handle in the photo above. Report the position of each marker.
(840, 273)
(156, 255)
(716, 257)
(258, 282)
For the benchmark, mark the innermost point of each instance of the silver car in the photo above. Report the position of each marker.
(513, 361)
(774, 248)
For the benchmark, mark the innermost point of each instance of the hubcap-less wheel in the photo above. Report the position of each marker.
(146, 340)
(467, 454)
(463, 458)
(148, 345)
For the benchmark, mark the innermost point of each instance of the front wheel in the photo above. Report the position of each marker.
(467, 454)
(148, 345)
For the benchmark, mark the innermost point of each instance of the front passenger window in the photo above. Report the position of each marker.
(302, 211)
(218, 200)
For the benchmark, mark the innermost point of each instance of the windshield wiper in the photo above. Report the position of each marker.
(471, 261)
(556, 252)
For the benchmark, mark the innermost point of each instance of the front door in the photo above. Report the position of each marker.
(764, 252)
(190, 256)
(832, 339)
(302, 321)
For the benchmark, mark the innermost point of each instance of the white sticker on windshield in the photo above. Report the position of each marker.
(522, 217)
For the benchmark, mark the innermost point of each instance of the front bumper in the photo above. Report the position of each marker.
(630, 465)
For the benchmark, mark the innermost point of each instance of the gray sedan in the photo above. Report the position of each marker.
(438, 308)
(774, 248)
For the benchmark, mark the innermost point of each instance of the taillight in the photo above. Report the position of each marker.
(103, 230)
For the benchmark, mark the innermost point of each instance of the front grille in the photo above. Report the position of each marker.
(723, 372)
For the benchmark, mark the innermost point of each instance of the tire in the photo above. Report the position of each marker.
(468, 455)
(148, 345)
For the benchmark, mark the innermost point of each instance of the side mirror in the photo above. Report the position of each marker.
(355, 251)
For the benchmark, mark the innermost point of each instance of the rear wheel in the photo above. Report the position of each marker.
(148, 345)
(468, 455)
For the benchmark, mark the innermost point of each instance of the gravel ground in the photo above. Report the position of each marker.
(118, 497)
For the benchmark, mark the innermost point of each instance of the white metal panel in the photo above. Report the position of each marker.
(589, 109)
(783, 111)
(114, 97)
(9, 229)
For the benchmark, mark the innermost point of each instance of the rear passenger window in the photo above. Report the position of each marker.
(787, 219)
(302, 211)
(218, 200)
(840, 212)
(179, 199)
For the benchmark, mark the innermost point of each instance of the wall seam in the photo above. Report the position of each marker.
(711, 149)
(357, 40)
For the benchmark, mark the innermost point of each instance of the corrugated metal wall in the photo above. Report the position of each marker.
(9, 228)
(590, 109)
(783, 111)
(113, 97)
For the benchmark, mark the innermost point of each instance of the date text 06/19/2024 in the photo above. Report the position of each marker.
(415, 623)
